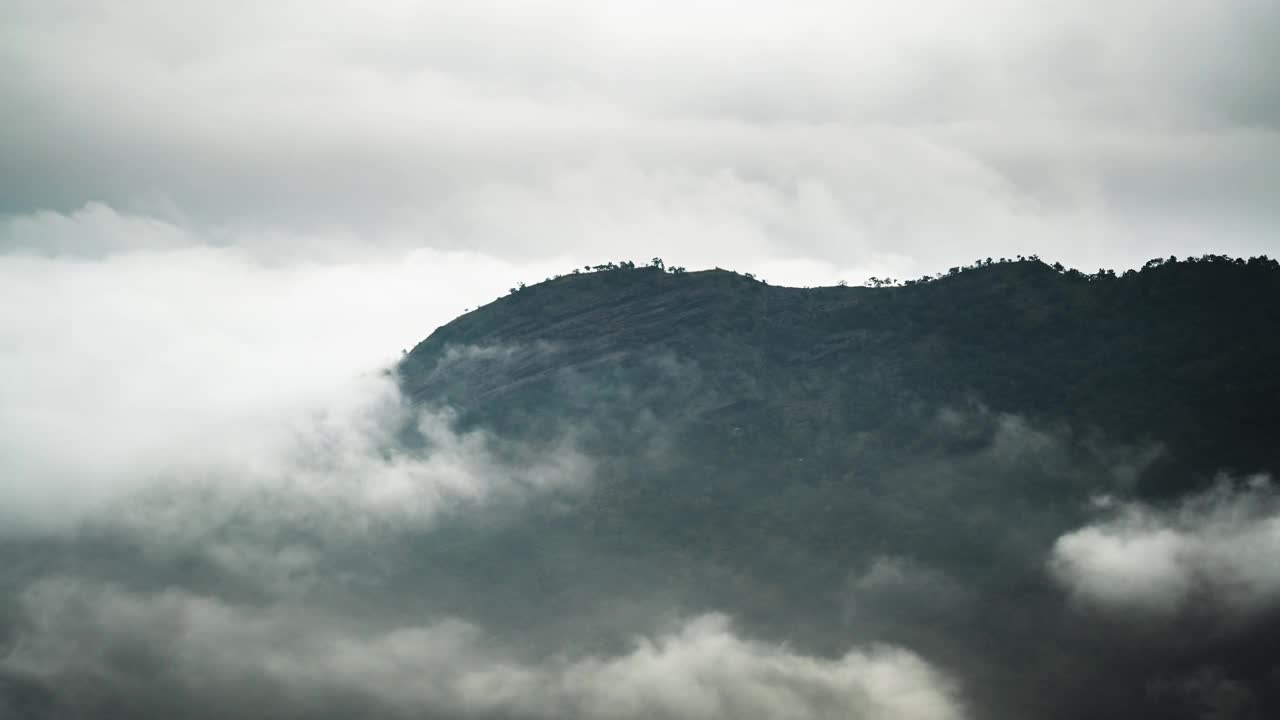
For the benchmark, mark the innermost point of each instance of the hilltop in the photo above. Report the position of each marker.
(895, 464)
(1180, 354)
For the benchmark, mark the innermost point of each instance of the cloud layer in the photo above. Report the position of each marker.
(305, 664)
(859, 138)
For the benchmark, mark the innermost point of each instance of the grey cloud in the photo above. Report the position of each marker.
(1214, 550)
(830, 133)
(1026, 451)
(77, 632)
(92, 231)
(900, 590)
(1208, 693)
(340, 478)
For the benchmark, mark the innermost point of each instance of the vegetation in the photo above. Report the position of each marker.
(758, 449)
(1102, 274)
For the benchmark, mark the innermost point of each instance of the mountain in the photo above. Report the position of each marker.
(1181, 354)
(1050, 485)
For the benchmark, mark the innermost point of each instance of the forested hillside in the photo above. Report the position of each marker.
(905, 463)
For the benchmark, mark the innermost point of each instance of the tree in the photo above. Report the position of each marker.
(657, 262)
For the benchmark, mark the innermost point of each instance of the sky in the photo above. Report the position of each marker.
(810, 143)
(224, 219)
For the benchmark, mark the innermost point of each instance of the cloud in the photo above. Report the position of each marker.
(1213, 550)
(93, 231)
(1208, 693)
(338, 478)
(204, 650)
(866, 138)
(202, 365)
(898, 592)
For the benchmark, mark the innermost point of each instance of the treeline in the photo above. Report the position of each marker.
(1102, 274)
(1261, 261)
(656, 263)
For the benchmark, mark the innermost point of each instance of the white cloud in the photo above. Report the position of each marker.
(700, 669)
(197, 364)
(1215, 550)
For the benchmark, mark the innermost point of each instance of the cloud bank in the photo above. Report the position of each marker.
(1214, 552)
(217, 656)
(203, 365)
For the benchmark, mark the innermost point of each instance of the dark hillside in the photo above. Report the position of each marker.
(765, 451)
(1182, 354)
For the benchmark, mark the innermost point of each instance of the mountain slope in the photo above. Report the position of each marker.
(848, 465)
(1160, 355)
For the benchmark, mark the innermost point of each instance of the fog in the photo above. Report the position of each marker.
(119, 371)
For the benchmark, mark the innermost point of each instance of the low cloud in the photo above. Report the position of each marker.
(306, 664)
(1208, 693)
(206, 366)
(1215, 550)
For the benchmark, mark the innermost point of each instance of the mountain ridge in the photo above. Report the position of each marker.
(1017, 337)
(894, 464)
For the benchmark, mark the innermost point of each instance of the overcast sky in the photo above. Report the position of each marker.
(808, 141)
